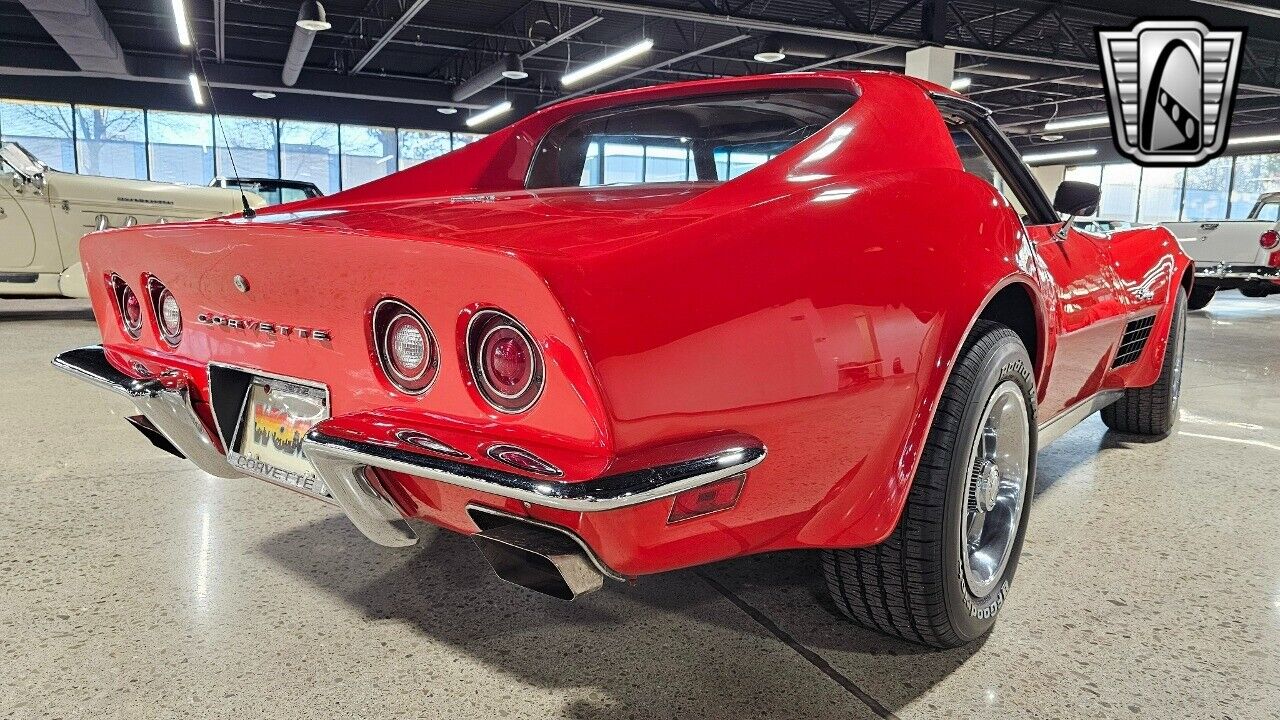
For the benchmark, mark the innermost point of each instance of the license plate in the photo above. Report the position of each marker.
(277, 415)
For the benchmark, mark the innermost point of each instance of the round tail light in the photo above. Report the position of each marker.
(129, 305)
(405, 346)
(167, 311)
(1269, 240)
(505, 362)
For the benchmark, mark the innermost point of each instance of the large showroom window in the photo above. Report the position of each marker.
(1159, 194)
(46, 130)
(180, 147)
(460, 139)
(1120, 191)
(368, 153)
(1207, 190)
(1221, 188)
(309, 152)
(111, 142)
(419, 145)
(251, 142)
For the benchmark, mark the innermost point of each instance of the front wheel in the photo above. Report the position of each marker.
(1152, 410)
(944, 573)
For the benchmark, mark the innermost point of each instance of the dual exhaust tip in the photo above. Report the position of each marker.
(535, 556)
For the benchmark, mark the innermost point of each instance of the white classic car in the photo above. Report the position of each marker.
(1239, 255)
(44, 213)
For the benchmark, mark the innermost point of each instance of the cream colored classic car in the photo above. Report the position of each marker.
(44, 213)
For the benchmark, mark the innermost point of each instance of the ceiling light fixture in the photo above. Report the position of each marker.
(961, 84)
(513, 67)
(1077, 123)
(180, 19)
(311, 16)
(489, 114)
(264, 95)
(606, 62)
(446, 110)
(1059, 155)
(197, 95)
(1255, 140)
(770, 51)
(1052, 137)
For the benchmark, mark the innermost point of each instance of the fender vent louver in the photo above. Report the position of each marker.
(1134, 340)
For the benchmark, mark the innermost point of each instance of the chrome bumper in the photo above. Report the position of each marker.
(167, 406)
(1242, 273)
(341, 463)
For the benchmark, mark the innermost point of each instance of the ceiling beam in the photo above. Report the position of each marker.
(386, 37)
(1242, 7)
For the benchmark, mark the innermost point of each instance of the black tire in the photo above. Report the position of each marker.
(1200, 297)
(1254, 292)
(1152, 410)
(912, 585)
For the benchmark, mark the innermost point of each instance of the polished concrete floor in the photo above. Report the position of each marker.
(134, 586)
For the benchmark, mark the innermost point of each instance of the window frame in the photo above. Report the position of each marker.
(1002, 155)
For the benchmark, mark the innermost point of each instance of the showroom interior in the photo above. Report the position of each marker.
(134, 584)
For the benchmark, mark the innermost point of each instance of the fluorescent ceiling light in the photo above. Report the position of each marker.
(1255, 140)
(1077, 122)
(264, 95)
(607, 62)
(961, 84)
(489, 114)
(1059, 155)
(180, 18)
(197, 95)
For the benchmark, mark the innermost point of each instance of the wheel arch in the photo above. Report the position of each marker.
(1015, 304)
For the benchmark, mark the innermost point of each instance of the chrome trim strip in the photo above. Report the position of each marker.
(1074, 415)
(341, 456)
(366, 505)
(168, 408)
(591, 555)
(1227, 271)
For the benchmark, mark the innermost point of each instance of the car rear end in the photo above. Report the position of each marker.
(395, 377)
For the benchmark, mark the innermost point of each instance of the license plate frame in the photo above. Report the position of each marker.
(286, 467)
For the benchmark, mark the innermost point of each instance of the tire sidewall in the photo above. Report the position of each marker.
(972, 616)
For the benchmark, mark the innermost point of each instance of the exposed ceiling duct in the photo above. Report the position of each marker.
(311, 19)
(80, 29)
(509, 66)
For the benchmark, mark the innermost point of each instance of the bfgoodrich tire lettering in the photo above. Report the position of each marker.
(913, 585)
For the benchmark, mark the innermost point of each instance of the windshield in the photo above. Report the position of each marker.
(17, 158)
(275, 193)
(704, 139)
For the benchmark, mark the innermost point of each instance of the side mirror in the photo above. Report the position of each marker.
(1077, 198)
(38, 182)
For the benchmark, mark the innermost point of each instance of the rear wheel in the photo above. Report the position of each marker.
(1153, 410)
(1254, 291)
(941, 578)
(1200, 297)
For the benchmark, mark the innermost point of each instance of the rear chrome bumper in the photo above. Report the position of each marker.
(165, 403)
(1228, 272)
(343, 463)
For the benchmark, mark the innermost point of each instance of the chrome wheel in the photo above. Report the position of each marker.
(995, 489)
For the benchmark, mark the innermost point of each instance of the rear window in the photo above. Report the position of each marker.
(703, 139)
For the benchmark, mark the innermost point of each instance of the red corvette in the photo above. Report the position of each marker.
(659, 328)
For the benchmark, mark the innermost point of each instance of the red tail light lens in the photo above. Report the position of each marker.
(1274, 260)
(405, 347)
(717, 496)
(1269, 240)
(129, 306)
(167, 311)
(505, 361)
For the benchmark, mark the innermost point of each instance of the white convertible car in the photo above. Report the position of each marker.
(1239, 255)
(44, 213)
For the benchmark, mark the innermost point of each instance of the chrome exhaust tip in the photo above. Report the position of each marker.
(540, 559)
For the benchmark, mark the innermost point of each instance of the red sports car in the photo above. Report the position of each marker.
(659, 328)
